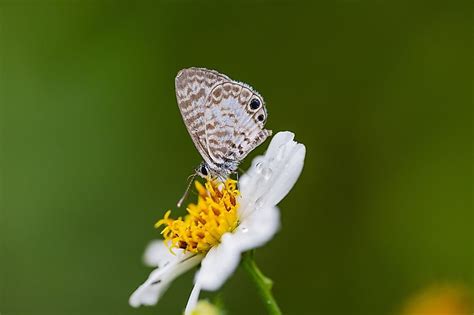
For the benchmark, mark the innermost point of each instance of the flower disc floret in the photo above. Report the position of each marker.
(214, 214)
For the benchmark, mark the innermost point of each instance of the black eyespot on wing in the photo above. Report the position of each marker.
(260, 117)
(254, 104)
(204, 170)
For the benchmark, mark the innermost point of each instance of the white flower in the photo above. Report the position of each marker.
(242, 222)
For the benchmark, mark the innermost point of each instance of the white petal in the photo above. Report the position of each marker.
(159, 280)
(281, 138)
(222, 260)
(193, 299)
(157, 254)
(256, 229)
(287, 173)
(272, 175)
(219, 263)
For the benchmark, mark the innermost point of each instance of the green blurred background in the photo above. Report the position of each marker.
(93, 148)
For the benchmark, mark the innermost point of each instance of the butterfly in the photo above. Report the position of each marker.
(224, 118)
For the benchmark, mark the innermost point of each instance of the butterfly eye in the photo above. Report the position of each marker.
(254, 104)
(204, 170)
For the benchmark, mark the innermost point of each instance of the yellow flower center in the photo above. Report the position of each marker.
(214, 214)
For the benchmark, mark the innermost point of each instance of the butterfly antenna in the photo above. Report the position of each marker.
(180, 202)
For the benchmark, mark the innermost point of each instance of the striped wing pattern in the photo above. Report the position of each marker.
(192, 89)
(232, 128)
(217, 113)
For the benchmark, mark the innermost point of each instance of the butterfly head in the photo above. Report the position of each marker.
(203, 170)
(220, 172)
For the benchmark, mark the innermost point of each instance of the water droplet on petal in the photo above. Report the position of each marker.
(259, 167)
(245, 229)
(258, 203)
(267, 173)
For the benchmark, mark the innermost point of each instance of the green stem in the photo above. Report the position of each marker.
(263, 284)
